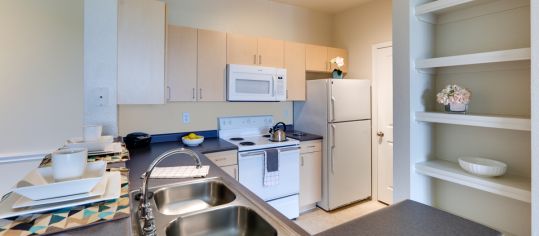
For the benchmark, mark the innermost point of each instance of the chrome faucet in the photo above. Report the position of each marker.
(145, 209)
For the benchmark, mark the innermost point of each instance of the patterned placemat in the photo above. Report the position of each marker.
(122, 156)
(70, 218)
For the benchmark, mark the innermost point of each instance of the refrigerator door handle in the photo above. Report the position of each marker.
(332, 146)
(332, 109)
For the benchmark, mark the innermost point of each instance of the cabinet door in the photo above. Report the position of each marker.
(294, 60)
(211, 65)
(181, 63)
(241, 49)
(310, 178)
(316, 58)
(231, 170)
(338, 52)
(141, 52)
(270, 52)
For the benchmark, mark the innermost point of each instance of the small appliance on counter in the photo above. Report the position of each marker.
(277, 134)
(137, 139)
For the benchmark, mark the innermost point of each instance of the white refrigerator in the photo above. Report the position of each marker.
(340, 111)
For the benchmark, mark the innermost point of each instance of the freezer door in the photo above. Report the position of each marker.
(349, 99)
(349, 172)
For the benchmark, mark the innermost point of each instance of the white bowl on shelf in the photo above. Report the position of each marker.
(482, 166)
(192, 142)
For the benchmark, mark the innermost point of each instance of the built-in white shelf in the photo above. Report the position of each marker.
(514, 187)
(489, 121)
(519, 54)
(437, 6)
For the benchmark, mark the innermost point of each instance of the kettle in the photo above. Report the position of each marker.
(277, 134)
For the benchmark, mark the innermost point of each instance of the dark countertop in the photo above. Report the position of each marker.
(141, 159)
(410, 218)
(302, 138)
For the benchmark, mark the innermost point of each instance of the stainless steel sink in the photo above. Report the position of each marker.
(210, 206)
(235, 220)
(184, 199)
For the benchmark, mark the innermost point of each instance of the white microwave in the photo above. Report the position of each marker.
(255, 83)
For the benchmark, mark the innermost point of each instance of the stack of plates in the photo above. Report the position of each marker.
(103, 145)
(38, 192)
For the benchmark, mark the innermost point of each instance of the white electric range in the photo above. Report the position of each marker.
(251, 135)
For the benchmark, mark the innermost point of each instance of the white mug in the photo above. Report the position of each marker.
(92, 132)
(69, 163)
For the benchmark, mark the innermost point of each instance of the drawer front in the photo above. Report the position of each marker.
(311, 146)
(225, 158)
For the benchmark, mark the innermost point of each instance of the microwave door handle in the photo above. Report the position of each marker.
(273, 86)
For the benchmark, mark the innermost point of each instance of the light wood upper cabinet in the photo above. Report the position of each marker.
(141, 52)
(270, 52)
(319, 57)
(294, 60)
(338, 52)
(246, 50)
(211, 65)
(242, 49)
(316, 58)
(181, 63)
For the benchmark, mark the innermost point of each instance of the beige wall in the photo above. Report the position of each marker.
(253, 17)
(250, 17)
(358, 29)
(41, 75)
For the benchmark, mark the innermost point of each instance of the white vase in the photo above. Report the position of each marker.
(457, 107)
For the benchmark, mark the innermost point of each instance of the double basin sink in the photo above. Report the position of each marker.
(207, 207)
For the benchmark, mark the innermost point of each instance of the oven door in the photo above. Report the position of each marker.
(251, 173)
(250, 83)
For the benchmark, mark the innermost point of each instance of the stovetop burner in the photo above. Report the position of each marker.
(236, 139)
(247, 143)
(266, 135)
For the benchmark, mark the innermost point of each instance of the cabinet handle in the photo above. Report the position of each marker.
(254, 60)
(287, 94)
(168, 88)
(200, 93)
(193, 94)
(220, 159)
(302, 161)
(260, 59)
(236, 173)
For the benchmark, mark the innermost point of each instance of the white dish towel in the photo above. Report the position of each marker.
(270, 178)
(179, 172)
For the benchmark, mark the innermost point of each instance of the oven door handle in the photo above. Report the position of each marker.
(256, 153)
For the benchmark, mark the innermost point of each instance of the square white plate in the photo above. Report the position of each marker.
(41, 185)
(98, 190)
(102, 144)
(113, 191)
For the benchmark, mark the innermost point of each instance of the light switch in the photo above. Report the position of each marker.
(186, 118)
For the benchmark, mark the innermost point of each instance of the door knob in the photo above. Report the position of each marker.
(380, 134)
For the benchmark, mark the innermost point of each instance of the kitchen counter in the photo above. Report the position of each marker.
(410, 218)
(141, 159)
(303, 137)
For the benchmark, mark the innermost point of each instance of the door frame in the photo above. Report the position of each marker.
(374, 111)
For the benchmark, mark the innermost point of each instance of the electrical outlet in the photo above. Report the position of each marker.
(285, 112)
(186, 118)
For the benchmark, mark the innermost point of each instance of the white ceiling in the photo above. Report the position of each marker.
(329, 6)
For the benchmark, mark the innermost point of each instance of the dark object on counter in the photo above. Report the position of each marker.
(137, 139)
(410, 218)
(277, 134)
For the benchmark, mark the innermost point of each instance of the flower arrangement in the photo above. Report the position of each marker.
(339, 62)
(454, 97)
(453, 94)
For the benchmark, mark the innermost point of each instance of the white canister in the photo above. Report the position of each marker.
(92, 132)
(69, 163)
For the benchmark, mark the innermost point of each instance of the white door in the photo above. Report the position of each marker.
(349, 100)
(384, 102)
(349, 169)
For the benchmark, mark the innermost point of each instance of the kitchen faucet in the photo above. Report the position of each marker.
(145, 209)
